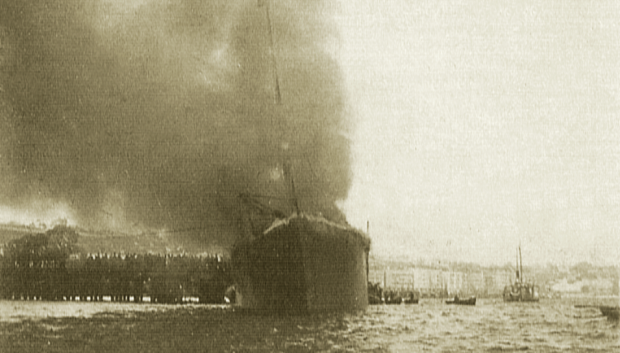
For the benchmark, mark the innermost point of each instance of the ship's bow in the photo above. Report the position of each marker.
(303, 264)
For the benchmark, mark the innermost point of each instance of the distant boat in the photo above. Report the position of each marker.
(391, 296)
(611, 312)
(521, 291)
(374, 300)
(458, 301)
(375, 293)
(394, 300)
(400, 300)
(411, 300)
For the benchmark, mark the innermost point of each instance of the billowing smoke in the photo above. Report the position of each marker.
(158, 113)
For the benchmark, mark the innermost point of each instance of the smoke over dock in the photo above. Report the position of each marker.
(157, 114)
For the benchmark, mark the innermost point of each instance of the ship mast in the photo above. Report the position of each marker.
(289, 174)
(518, 273)
(277, 97)
(520, 263)
(367, 252)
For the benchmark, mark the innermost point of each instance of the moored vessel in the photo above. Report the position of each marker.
(521, 290)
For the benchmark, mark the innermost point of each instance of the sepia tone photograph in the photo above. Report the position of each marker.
(309, 176)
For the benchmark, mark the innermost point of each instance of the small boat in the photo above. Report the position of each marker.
(394, 300)
(611, 312)
(412, 297)
(374, 300)
(411, 301)
(398, 296)
(392, 297)
(375, 293)
(400, 300)
(458, 301)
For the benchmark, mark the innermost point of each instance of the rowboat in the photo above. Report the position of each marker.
(458, 301)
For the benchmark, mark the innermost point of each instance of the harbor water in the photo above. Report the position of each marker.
(431, 326)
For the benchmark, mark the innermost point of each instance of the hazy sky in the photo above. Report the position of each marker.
(482, 124)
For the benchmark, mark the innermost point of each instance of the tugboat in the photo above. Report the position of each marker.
(520, 290)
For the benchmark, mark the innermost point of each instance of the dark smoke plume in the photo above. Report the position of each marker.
(159, 113)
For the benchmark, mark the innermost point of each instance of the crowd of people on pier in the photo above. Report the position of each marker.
(47, 267)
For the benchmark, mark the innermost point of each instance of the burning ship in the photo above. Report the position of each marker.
(302, 264)
(297, 263)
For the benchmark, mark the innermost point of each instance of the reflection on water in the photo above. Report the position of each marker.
(548, 326)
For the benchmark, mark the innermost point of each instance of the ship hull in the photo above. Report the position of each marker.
(303, 265)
